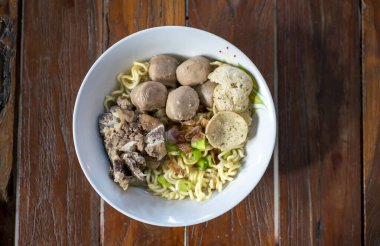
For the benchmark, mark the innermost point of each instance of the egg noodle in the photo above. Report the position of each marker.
(191, 181)
(126, 82)
(179, 176)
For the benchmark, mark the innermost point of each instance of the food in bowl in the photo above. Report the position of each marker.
(178, 129)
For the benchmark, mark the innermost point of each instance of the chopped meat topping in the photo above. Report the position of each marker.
(124, 102)
(155, 141)
(148, 122)
(133, 141)
(156, 135)
(135, 163)
(185, 147)
(152, 163)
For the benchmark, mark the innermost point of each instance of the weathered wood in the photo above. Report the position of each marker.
(319, 122)
(123, 18)
(57, 206)
(8, 73)
(250, 26)
(371, 119)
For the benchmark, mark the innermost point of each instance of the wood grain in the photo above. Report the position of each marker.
(250, 26)
(122, 18)
(319, 122)
(371, 119)
(57, 205)
(8, 73)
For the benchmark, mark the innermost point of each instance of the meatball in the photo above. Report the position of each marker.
(193, 71)
(162, 68)
(149, 96)
(205, 92)
(182, 103)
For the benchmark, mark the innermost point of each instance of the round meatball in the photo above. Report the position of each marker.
(193, 71)
(182, 103)
(205, 92)
(149, 96)
(162, 68)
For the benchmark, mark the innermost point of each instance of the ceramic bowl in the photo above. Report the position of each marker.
(138, 203)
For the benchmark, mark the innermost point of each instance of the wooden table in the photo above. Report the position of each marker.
(321, 59)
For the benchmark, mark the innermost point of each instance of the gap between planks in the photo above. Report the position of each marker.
(19, 77)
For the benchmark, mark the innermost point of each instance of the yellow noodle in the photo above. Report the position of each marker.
(202, 182)
(126, 82)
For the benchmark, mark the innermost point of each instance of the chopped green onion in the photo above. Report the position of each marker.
(199, 143)
(209, 160)
(202, 164)
(163, 181)
(182, 154)
(184, 185)
(196, 154)
(171, 147)
(228, 153)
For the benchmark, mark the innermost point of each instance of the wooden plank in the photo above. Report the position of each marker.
(371, 119)
(250, 26)
(123, 18)
(8, 43)
(319, 122)
(57, 206)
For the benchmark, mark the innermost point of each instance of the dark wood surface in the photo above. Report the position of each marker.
(8, 98)
(319, 122)
(56, 204)
(371, 119)
(321, 60)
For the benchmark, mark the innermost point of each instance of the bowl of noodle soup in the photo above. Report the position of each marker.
(98, 87)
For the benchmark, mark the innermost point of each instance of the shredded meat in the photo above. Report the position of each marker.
(177, 169)
(148, 122)
(198, 136)
(203, 122)
(129, 138)
(185, 147)
(189, 122)
(135, 163)
(155, 141)
(214, 156)
(187, 134)
(124, 102)
(152, 163)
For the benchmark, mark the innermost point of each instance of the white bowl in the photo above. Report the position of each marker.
(137, 203)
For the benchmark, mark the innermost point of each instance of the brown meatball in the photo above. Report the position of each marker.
(162, 68)
(205, 92)
(149, 96)
(182, 103)
(193, 71)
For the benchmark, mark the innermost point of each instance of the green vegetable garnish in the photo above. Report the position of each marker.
(202, 164)
(254, 98)
(182, 154)
(171, 147)
(163, 181)
(184, 185)
(209, 160)
(199, 144)
(228, 153)
(196, 154)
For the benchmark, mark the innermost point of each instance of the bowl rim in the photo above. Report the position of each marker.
(233, 203)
